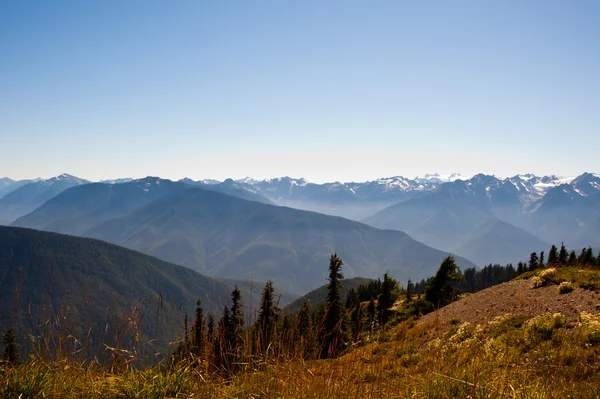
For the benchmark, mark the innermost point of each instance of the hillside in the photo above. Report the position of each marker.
(77, 209)
(461, 225)
(225, 236)
(97, 285)
(319, 296)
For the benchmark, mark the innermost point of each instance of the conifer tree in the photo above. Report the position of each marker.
(553, 256)
(386, 299)
(572, 258)
(333, 331)
(266, 322)
(541, 264)
(563, 255)
(211, 328)
(236, 325)
(520, 268)
(439, 290)
(409, 291)
(533, 261)
(199, 331)
(589, 256)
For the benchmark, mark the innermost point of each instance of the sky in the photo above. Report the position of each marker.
(326, 90)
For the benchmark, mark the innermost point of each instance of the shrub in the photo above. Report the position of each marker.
(565, 287)
(590, 326)
(541, 328)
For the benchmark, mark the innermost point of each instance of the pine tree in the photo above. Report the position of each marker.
(211, 328)
(541, 264)
(386, 299)
(533, 261)
(589, 256)
(409, 291)
(520, 268)
(199, 332)
(572, 258)
(11, 350)
(439, 291)
(553, 256)
(333, 332)
(236, 325)
(266, 322)
(563, 255)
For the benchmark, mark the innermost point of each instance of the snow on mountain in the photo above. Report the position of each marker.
(117, 181)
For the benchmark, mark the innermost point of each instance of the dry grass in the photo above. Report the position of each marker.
(547, 355)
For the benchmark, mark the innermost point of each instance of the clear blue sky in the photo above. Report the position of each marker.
(327, 90)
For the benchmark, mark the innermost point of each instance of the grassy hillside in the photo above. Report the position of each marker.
(517, 340)
(69, 285)
(229, 237)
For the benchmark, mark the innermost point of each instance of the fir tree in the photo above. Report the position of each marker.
(409, 291)
(386, 299)
(533, 261)
(267, 317)
(199, 331)
(333, 332)
(439, 290)
(553, 256)
(563, 255)
(541, 264)
(572, 258)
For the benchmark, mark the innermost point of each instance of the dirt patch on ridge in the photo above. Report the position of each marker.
(518, 298)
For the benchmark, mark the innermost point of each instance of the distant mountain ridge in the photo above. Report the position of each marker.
(227, 236)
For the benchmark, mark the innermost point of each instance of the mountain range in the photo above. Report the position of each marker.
(226, 236)
(484, 218)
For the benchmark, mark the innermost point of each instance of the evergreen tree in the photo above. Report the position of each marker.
(541, 264)
(236, 325)
(267, 317)
(572, 258)
(11, 350)
(386, 299)
(553, 256)
(439, 290)
(199, 331)
(409, 291)
(589, 256)
(563, 255)
(211, 328)
(333, 331)
(533, 261)
(520, 268)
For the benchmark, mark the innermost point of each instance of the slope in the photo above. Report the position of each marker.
(461, 225)
(229, 237)
(98, 286)
(80, 208)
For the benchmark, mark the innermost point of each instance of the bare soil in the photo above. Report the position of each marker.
(519, 298)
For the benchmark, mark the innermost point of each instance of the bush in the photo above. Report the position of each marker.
(541, 328)
(565, 287)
